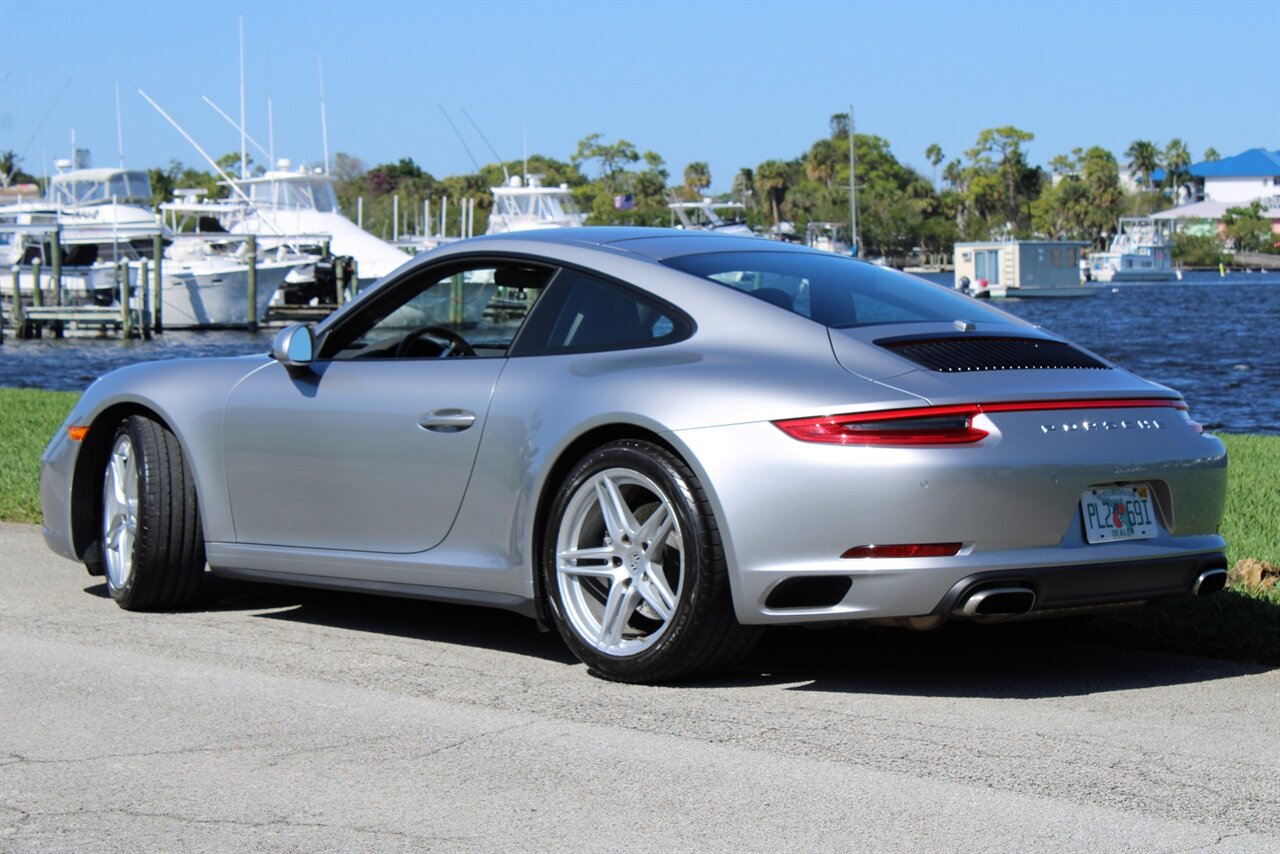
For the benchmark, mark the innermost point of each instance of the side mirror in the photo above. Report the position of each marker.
(294, 346)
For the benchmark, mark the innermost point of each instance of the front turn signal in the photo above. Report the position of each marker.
(77, 433)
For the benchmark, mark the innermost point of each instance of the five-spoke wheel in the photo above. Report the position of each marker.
(151, 543)
(634, 571)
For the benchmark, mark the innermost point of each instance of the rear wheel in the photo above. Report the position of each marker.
(634, 570)
(152, 546)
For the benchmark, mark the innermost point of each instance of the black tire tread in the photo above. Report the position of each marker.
(169, 558)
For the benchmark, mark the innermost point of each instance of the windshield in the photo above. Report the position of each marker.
(294, 193)
(834, 291)
(124, 187)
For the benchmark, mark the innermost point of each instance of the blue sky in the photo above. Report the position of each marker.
(733, 83)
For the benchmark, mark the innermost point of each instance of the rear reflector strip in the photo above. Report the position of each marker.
(911, 550)
(936, 425)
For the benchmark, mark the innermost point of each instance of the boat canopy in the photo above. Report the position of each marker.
(291, 191)
(100, 186)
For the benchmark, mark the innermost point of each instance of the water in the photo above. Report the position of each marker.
(1216, 340)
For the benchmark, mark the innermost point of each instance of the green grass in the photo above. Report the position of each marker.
(1242, 625)
(28, 419)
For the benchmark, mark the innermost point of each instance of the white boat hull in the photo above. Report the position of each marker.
(206, 299)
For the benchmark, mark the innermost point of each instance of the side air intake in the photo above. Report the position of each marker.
(965, 353)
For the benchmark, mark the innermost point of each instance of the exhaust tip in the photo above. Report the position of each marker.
(1209, 582)
(998, 602)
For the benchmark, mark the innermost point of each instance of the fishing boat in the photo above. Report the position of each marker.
(524, 204)
(707, 215)
(1140, 251)
(829, 237)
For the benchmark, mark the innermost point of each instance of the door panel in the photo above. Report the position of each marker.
(353, 455)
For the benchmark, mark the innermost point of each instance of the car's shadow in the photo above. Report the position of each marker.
(1008, 661)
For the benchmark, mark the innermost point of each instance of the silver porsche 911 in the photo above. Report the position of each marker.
(659, 442)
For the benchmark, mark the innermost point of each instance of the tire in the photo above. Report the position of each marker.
(634, 572)
(151, 545)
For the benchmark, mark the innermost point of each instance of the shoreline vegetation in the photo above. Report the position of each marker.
(990, 191)
(1240, 624)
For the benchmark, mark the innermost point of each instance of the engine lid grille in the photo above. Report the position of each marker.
(964, 353)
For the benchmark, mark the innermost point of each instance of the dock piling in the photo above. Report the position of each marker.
(126, 314)
(17, 303)
(252, 243)
(146, 299)
(37, 295)
(157, 300)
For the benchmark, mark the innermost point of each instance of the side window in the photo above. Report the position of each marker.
(583, 313)
(438, 312)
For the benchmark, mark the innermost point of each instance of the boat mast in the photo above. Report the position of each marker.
(853, 193)
(324, 121)
(244, 151)
(119, 127)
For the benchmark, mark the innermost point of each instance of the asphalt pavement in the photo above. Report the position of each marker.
(295, 720)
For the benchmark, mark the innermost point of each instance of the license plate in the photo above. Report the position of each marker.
(1118, 513)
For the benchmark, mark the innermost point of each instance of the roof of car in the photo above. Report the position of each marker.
(655, 243)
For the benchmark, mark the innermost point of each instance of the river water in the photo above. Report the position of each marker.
(1215, 339)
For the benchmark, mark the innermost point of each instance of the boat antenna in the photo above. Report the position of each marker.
(244, 153)
(36, 132)
(459, 135)
(853, 193)
(207, 159)
(324, 122)
(492, 150)
(232, 122)
(119, 127)
(524, 147)
(271, 135)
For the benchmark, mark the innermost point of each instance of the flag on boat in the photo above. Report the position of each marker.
(624, 203)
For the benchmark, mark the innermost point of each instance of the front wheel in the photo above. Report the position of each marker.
(634, 569)
(152, 545)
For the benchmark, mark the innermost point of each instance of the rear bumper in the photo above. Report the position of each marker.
(1058, 587)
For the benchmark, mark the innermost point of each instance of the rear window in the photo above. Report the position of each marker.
(834, 291)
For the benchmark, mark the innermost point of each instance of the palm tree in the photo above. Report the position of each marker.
(1177, 157)
(771, 178)
(744, 187)
(934, 153)
(697, 177)
(1211, 154)
(821, 162)
(1144, 158)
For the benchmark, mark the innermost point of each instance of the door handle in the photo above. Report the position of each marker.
(447, 420)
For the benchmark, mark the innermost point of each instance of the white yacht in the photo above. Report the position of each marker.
(829, 237)
(1140, 251)
(706, 216)
(107, 228)
(287, 202)
(525, 204)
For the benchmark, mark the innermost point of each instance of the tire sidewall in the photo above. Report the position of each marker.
(656, 464)
(128, 428)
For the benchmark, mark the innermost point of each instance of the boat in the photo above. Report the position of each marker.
(1021, 269)
(526, 204)
(106, 230)
(705, 215)
(286, 202)
(1140, 251)
(829, 237)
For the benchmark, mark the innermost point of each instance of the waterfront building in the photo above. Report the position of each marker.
(1021, 268)
(1232, 182)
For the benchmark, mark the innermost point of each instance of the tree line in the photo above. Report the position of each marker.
(988, 191)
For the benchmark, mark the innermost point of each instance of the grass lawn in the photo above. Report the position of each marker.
(1241, 624)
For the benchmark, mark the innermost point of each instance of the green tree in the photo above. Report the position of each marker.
(771, 178)
(1249, 229)
(1177, 160)
(744, 187)
(999, 183)
(697, 177)
(839, 126)
(613, 157)
(11, 171)
(935, 156)
(1144, 158)
(823, 161)
(1211, 155)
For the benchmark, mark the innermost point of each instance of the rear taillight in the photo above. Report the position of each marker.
(932, 425)
(939, 425)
